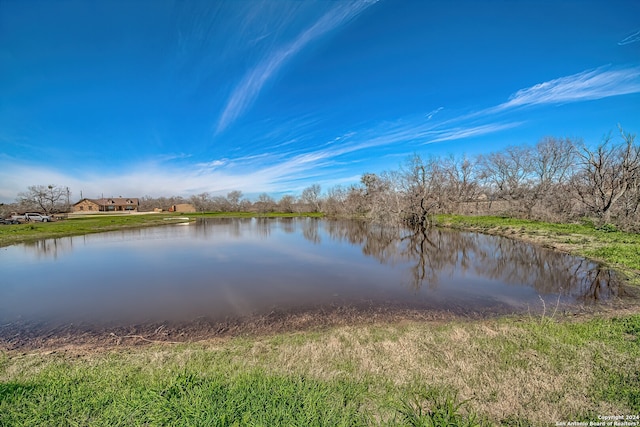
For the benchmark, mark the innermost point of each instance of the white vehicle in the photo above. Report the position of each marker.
(16, 217)
(37, 217)
(31, 216)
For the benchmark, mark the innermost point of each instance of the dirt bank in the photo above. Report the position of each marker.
(31, 337)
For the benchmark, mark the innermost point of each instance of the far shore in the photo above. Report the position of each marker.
(78, 224)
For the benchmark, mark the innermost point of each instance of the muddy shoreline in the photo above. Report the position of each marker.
(22, 337)
(25, 337)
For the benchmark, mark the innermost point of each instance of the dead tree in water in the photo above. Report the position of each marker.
(422, 185)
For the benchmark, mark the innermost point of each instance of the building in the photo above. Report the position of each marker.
(182, 207)
(113, 204)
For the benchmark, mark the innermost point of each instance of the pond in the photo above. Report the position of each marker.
(222, 269)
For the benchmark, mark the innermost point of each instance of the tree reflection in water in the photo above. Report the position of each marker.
(434, 253)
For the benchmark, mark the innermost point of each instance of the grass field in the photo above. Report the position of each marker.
(509, 371)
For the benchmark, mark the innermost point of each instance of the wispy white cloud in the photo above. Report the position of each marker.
(633, 38)
(212, 164)
(468, 132)
(169, 157)
(254, 80)
(584, 86)
(430, 114)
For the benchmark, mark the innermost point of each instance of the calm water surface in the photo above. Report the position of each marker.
(221, 268)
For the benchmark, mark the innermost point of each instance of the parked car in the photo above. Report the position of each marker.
(37, 217)
(19, 218)
(31, 216)
(9, 221)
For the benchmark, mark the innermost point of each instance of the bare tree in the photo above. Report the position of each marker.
(356, 201)
(629, 207)
(5, 209)
(551, 165)
(552, 160)
(286, 203)
(245, 205)
(373, 195)
(265, 203)
(311, 197)
(148, 203)
(335, 203)
(461, 183)
(233, 197)
(46, 198)
(220, 204)
(422, 186)
(507, 174)
(202, 202)
(606, 173)
(379, 197)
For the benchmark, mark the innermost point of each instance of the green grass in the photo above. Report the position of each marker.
(606, 244)
(509, 371)
(67, 396)
(435, 408)
(12, 234)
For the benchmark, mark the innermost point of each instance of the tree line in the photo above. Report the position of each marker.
(310, 200)
(557, 179)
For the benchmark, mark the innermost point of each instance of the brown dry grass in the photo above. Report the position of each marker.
(497, 365)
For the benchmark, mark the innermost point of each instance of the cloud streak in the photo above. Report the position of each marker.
(584, 86)
(633, 38)
(254, 80)
(430, 115)
(469, 132)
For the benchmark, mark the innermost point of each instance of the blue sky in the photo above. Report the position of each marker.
(154, 97)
